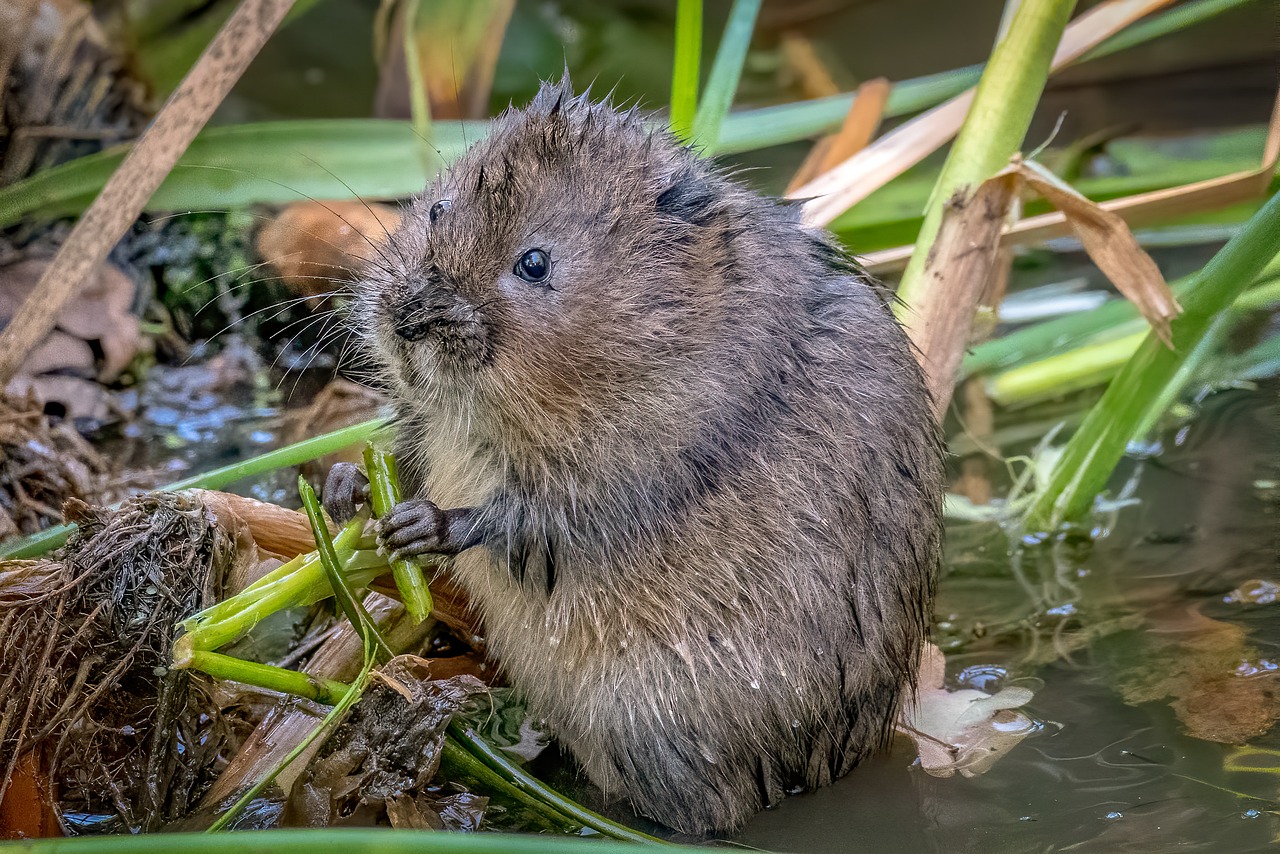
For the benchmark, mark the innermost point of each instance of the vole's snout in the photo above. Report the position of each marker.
(443, 318)
(418, 316)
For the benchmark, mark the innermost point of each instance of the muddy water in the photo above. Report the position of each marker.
(1146, 605)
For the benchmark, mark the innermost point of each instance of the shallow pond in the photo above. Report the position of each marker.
(1146, 611)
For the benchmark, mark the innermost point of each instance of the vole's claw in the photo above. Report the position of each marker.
(345, 487)
(414, 527)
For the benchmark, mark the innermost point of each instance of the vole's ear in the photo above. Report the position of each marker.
(689, 198)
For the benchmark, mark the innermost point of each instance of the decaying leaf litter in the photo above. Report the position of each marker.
(411, 810)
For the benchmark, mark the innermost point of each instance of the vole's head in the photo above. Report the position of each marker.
(566, 265)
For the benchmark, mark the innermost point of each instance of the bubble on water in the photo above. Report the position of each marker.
(1113, 815)
(1251, 814)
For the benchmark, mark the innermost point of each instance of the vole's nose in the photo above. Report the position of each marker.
(415, 317)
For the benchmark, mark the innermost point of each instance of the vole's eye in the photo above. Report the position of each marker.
(438, 208)
(534, 266)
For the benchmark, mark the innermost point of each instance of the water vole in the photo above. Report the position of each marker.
(686, 459)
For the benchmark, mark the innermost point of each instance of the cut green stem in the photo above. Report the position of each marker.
(384, 494)
(302, 581)
(219, 666)
(347, 602)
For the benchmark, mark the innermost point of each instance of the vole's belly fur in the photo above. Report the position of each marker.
(760, 640)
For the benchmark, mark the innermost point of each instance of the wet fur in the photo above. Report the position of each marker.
(708, 481)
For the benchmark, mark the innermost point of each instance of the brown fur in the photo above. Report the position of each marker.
(708, 483)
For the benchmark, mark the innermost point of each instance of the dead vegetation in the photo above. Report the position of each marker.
(85, 651)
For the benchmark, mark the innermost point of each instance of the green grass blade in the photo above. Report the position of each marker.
(271, 162)
(1095, 449)
(684, 74)
(1166, 23)
(725, 72)
(311, 841)
(996, 124)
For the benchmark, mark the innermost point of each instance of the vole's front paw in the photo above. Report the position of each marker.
(345, 487)
(416, 527)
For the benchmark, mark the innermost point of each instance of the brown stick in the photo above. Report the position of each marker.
(145, 167)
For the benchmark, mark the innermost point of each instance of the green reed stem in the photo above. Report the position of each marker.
(384, 494)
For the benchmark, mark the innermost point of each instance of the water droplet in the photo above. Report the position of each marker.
(1251, 814)
(755, 683)
(795, 724)
(1113, 815)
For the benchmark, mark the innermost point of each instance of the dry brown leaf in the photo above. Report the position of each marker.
(100, 315)
(1136, 210)
(834, 192)
(963, 731)
(317, 247)
(860, 125)
(1110, 244)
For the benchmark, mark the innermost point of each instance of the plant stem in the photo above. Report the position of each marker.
(346, 599)
(299, 582)
(219, 666)
(458, 764)
(522, 779)
(291, 455)
(1171, 390)
(384, 494)
(995, 126)
(1064, 373)
(348, 700)
(1090, 457)
(726, 70)
(684, 73)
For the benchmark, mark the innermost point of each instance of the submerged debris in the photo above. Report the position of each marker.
(84, 652)
(379, 764)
